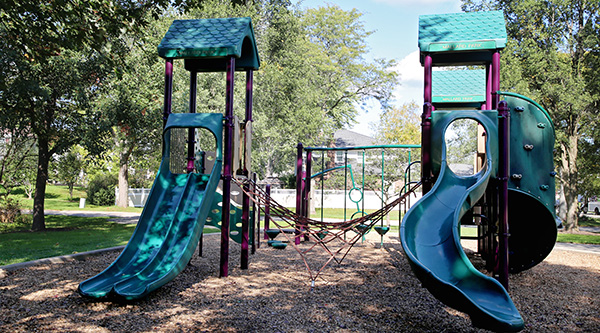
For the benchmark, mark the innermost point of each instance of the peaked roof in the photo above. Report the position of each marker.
(458, 86)
(210, 39)
(462, 32)
(346, 138)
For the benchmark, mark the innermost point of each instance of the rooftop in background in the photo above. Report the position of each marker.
(346, 138)
(458, 86)
(207, 43)
(461, 37)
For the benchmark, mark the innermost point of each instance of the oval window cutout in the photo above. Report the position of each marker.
(465, 147)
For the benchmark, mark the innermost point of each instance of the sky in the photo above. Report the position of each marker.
(395, 24)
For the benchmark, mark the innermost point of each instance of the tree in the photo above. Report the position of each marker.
(55, 56)
(131, 101)
(553, 49)
(68, 168)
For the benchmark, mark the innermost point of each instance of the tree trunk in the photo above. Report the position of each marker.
(569, 181)
(122, 197)
(39, 222)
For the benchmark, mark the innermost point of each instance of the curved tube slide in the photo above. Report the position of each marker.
(431, 240)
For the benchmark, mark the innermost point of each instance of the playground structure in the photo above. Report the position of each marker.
(514, 174)
(184, 198)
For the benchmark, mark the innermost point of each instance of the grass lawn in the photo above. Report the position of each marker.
(57, 198)
(66, 235)
(69, 234)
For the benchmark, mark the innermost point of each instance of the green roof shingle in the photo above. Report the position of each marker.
(462, 31)
(216, 38)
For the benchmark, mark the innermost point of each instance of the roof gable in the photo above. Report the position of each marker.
(211, 42)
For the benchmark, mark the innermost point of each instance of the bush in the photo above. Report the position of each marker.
(10, 211)
(101, 190)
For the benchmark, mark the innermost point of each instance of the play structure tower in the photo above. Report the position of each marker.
(183, 197)
(514, 180)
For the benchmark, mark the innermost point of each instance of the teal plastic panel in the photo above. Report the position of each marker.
(235, 219)
(531, 184)
(458, 86)
(440, 120)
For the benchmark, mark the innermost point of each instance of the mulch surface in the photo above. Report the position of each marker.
(372, 290)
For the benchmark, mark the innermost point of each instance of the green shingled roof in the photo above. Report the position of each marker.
(462, 31)
(461, 38)
(216, 38)
(458, 86)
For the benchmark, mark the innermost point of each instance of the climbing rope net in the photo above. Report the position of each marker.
(322, 234)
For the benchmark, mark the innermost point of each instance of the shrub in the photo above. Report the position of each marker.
(101, 190)
(10, 211)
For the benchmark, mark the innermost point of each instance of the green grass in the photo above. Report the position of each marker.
(57, 198)
(578, 239)
(66, 235)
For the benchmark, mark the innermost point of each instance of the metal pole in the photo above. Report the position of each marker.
(267, 211)
(255, 219)
(245, 226)
(168, 90)
(488, 87)
(245, 198)
(426, 167)
(307, 184)
(495, 79)
(300, 149)
(503, 172)
(227, 165)
(192, 131)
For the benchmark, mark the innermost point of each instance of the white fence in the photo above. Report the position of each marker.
(287, 198)
(333, 198)
(137, 196)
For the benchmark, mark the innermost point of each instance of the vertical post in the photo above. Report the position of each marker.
(227, 165)
(267, 210)
(192, 131)
(307, 183)
(245, 227)
(426, 174)
(246, 168)
(382, 180)
(495, 79)
(168, 90)
(503, 172)
(488, 86)
(255, 219)
(300, 149)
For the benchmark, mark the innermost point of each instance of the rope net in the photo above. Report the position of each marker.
(324, 235)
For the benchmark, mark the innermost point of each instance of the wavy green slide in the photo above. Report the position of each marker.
(431, 240)
(169, 227)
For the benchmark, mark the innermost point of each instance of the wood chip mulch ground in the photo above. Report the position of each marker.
(373, 290)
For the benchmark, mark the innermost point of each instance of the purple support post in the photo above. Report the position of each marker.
(495, 79)
(255, 223)
(192, 131)
(307, 185)
(299, 212)
(249, 84)
(488, 87)
(426, 173)
(168, 90)
(503, 171)
(245, 198)
(267, 211)
(227, 166)
(245, 234)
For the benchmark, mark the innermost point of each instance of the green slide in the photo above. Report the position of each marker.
(170, 226)
(431, 240)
